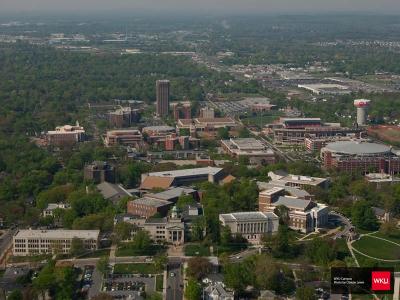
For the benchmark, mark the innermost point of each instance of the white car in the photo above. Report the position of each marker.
(172, 274)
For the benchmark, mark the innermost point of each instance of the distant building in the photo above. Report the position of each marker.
(158, 203)
(381, 214)
(360, 157)
(304, 215)
(167, 179)
(251, 225)
(206, 125)
(123, 117)
(147, 207)
(112, 192)
(124, 137)
(381, 179)
(51, 207)
(315, 144)
(326, 88)
(183, 109)
(298, 181)
(249, 147)
(295, 130)
(174, 142)
(207, 113)
(155, 133)
(36, 242)
(99, 171)
(162, 97)
(66, 135)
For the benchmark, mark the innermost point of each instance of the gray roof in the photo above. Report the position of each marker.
(159, 128)
(378, 211)
(358, 148)
(291, 190)
(187, 172)
(293, 202)
(156, 221)
(110, 190)
(218, 289)
(151, 202)
(172, 193)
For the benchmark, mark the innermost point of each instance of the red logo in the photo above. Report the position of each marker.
(381, 281)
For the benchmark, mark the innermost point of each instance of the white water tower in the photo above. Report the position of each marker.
(362, 110)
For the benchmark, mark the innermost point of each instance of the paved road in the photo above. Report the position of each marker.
(174, 283)
(344, 221)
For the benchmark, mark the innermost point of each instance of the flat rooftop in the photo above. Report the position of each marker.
(187, 172)
(59, 233)
(358, 148)
(172, 193)
(248, 216)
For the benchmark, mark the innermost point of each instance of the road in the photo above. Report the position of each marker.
(174, 283)
(344, 221)
(6, 243)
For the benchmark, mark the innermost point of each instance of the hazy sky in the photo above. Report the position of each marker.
(214, 6)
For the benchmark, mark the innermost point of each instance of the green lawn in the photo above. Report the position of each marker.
(233, 248)
(33, 258)
(159, 283)
(128, 250)
(197, 250)
(377, 248)
(393, 236)
(261, 120)
(342, 249)
(140, 268)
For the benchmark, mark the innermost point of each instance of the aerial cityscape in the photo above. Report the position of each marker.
(183, 151)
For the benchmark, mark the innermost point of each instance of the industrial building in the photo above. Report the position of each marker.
(252, 148)
(326, 89)
(251, 225)
(360, 156)
(124, 137)
(36, 242)
(162, 97)
(66, 135)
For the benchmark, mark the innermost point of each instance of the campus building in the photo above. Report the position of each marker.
(251, 225)
(295, 130)
(254, 149)
(66, 135)
(123, 117)
(36, 242)
(124, 137)
(297, 181)
(167, 179)
(209, 125)
(304, 215)
(361, 157)
(162, 97)
(99, 171)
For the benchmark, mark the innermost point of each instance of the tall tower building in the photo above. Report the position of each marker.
(362, 111)
(162, 94)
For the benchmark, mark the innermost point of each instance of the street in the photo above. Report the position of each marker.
(175, 282)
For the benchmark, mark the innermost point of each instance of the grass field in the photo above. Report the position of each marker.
(128, 250)
(159, 283)
(97, 253)
(377, 248)
(139, 268)
(197, 250)
(261, 120)
(393, 236)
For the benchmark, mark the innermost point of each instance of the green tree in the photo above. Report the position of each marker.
(102, 264)
(223, 133)
(15, 295)
(283, 213)
(160, 261)
(363, 216)
(141, 240)
(198, 267)
(305, 293)
(123, 231)
(193, 290)
(77, 247)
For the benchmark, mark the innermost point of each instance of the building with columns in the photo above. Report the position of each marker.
(251, 225)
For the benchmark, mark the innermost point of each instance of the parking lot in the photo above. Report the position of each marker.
(128, 286)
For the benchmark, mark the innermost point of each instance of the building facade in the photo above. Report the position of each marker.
(249, 147)
(66, 135)
(251, 225)
(124, 137)
(123, 117)
(36, 242)
(162, 97)
(99, 171)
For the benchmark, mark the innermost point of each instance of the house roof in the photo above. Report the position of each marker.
(228, 179)
(151, 182)
(151, 202)
(172, 193)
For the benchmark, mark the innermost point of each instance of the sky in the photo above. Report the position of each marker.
(203, 6)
